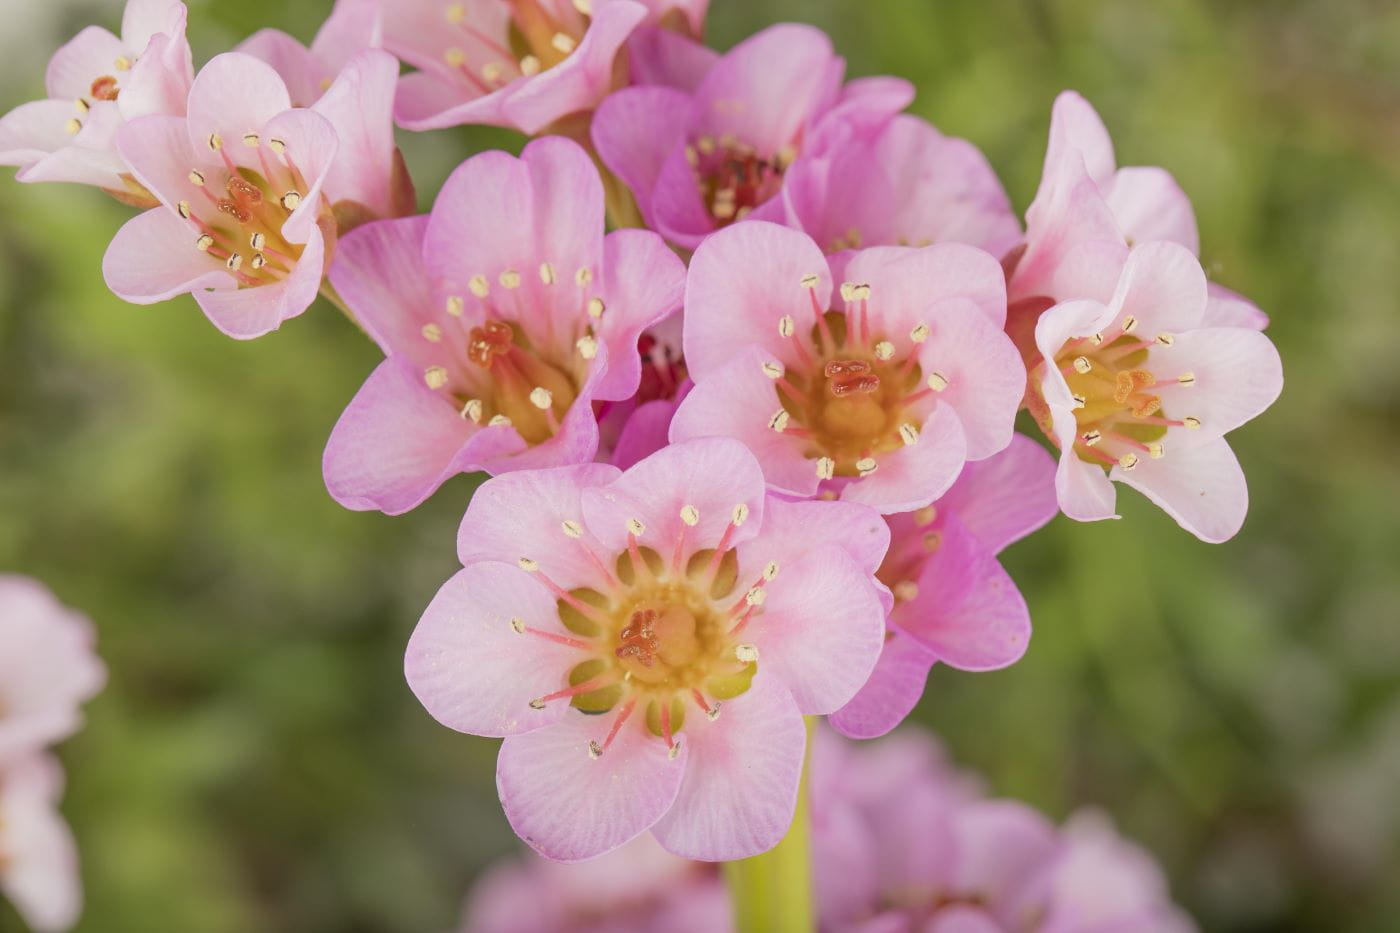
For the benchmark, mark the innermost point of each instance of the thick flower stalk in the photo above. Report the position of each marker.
(655, 638)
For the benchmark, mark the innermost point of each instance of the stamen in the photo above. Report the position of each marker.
(739, 515)
(1082, 365)
(499, 421)
(1187, 379)
(528, 565)
(455, 305)
(1091, 438)
(183, 209)
(529, 66)
(546, 273)
(1155, 450)
(1165, 339)
(937, 381)
(635, 526)
(291, 200)
(884, 350)
(1191, 423)
(826, 468)
(755, 596)
(196, 177)
(456, 13)
(203, 242)
(572, 528)
(690, 515)
(588, 686)
(622, 717)
(587, 347)
(926, 515)
(234, 262)
(770, 571)
(909, 434)
(563, 43)
(432, 333)
(479, 286)
(541, 398)
(906, 590)
(1129, 324)
(472, 410)
(919, 334)
(277, 146)
(1078, 401)
(584, 7)
(510, 279)
(81, 106)
(73, 126)
(786, 326)
(215, 142)
(1128, 461)
(596, 307)
(122, 63)
(746, 653)
(779, 421)
(251, 140)
(772, 370)
(583, 276)
(866, 465)
(435, 377)
(595, 751)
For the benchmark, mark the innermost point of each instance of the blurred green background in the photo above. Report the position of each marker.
(257, 763)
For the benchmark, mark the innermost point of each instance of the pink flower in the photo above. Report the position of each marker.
(504, 315)
(1142, 389)
(522, 64)
(654, 638)
(904, 184)
(953, 600)
(243, 223)
(38, 860)
(697, 161)
(96, 83)
(901, 842)
(638, 888)
(47, 668)
(883, 401)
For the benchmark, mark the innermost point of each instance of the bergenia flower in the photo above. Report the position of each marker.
(647, 643)
(1142, 390)
(522, 63)
(699, 161)
(242, 223)
(503, 315)
(38, 860)
(882, 398)
(47, 668)
(639, 888)
(903, 184)
(954, 602)
(96, 83)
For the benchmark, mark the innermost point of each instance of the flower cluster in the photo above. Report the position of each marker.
(47, 670)
(751, 462)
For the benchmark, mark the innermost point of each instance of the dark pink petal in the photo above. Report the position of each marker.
(394, 444)
(1005, 497)
(153, 258)
(378, 271)
(644, 282)
(890, 694)
(245, 313)
(232, 95)
(570, 806)
(676, 209)
(359, 105)
(1200, 484)
(575, 442)
(644, 433)
(793, 528)
(522, 514)
(656, 55)
(86, 57)
(742, 281)
(740, 789)
(472, 670)
(1149, 205)
(713, 475)
(635, 130)
(913, 476)
(1238, 375)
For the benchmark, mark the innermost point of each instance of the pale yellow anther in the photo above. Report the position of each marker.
(529, 66)
(572, 528)
(435, 377)
(635, 526)
(848, 291)
(739, 515)
(215, 142)
(1096, 339)
(518, 625)
(122, 63)
(596, 307)
(1128, 461)
(587, 346)
(454, 57)
(473, 410)
(563, 42)
(74, 126)
(291, 200)
(510, 279)
(713, 712)
(546, 273)
(1187, 379)
(919, 333)
(196, 178)
(584, 7)
(258, 261)
(811, 280)
(479, 286)
(770, 571)
(674, 751)
(690, 515)
(1082, 365)
(277, 145)
(1078, 401)
(755, 596)
(786, 326)
(203, 242)
(909, 434)
(772, 370)
(234, 262)
(826, 468)
(706, 144)
(906, 590)
(1166, 339)
(866, 465)
(183, 208)
(779, 421)
(583, 276)
(251, 140)
(1155, 450)
(454, 305)
(1190, 422)
(541, 398)
(492, 72)
(456, 12)
(537, 703)
(1129, 324)
(746, 653)
(499, 421)
(862, 292)
(257, 240)
(595, 751)
(1090, 438)
(884, 350)
(926, 515)
(81, 106)
(937, 381)
(432, 333)
(527, 565)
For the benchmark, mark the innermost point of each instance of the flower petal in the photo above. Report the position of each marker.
(293, 61)
(659, 56)
(1200, 485)
(891, 693)
(359, 105)
(378, 271)
(1149, 205)
(644, 282)
(907, 283)
(1225, 308)
(426, 100)
(234, 94)
(41, 867)
(89, 55)
(791, 529)
(983, 377)
(245, 313)
(915, 475)
(1007, 496)
(635, 130)
(153, 258)
(1238, 375)
(1076, 128)
(1163, 287)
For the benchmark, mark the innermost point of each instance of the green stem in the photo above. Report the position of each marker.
(772, 892)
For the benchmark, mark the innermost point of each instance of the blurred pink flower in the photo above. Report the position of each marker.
(1141, 389)
(647, 643)
(504, 315)
(638, 888)
(243, 225)
(353, 26)
(96, 83)
(882, 402)
(48, 668)
(698, 161)
(522, 64)
(953, 600)
(38, 860)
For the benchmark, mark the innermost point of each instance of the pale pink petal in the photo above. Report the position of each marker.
(742, 280)
(142, 19)
(571, 806)
(313, 146)
(1083, 489)
(522, 514)
(793, 528)
(635, 130)
(153, 258)
(40, 872)
(890, 694)
(1005, 497)
(394, 444)
(1075, 127)
(575, 442)
(33, 130)
(916, 474)
(245, 313)
(89, 55)
(160, 80)
(158, 150)
(234, 94)
(292, 61)
(472, 670)
(1001, 845)
(740, 789)
(659, 56)
(713, 475)
(378, 271)
(1225, 308)
(982, 372)
(1200, 485)
(425, 100)
(1238, 375)
(1149, 205)
(738, 401)
(907, 283)
(644, 282)
(353, 26)
(359, 105)
(34, 136)
(1163, 287)
(1069, 211)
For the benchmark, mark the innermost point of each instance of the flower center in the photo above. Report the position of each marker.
(539, 35)
(663, 370)
(733, 178)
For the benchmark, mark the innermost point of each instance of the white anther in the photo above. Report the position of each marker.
(541, 398)
(919, 334)
(572, 528)
(203, 242)
(455, 305)
(183, 209)
(826, 468)
(811, 280)
(234, 262)
(510, 279)
(546, 273)
(258, 261)
(518, 626)
(435, 377)
(1190, 422)
(596, 307)
(779, 421)
(884, 350)
(277, 145)
(1078, 401)
(587, 346)
(713, 712)
(848, 291)
(479, 286)
(926, 515)
(472, 410)
(746, 653)
(909, 434)
(122, 63)
(739, 515)
(456, 12)
(454, 57)
(690, 515)
(1082, 365)
(692, 156)
(772, 370)
(1155, 450)
(251, 140)
(1128, 461)
(537, 703)
(1129, 324)
(492, 72)
(932, 541)
(528, 565)
(937, 381)
(73, 126)
(1096, 339)
(1187, 379)
(755, 596)
(584, 7)
(1165, 339)
(196, 178)
(906, 590)
(563, 43)
(257, 240)
(529, 66)
(291, 200)
(583, 276)
(862, 292)
(81, 106)
(786, 327)
(1090, 438)
(499, 421)
(595, 751)
(635, 526)
(866, 465)
(706, 144)
(770, 571)
(215, 141)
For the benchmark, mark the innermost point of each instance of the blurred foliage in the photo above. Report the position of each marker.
(257, 763)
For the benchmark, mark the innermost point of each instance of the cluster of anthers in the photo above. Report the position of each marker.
(539, 36)
(244, 211)
(854, 393)
(658, 633)
(733, 178)
(498, 371)
(1117, 403)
